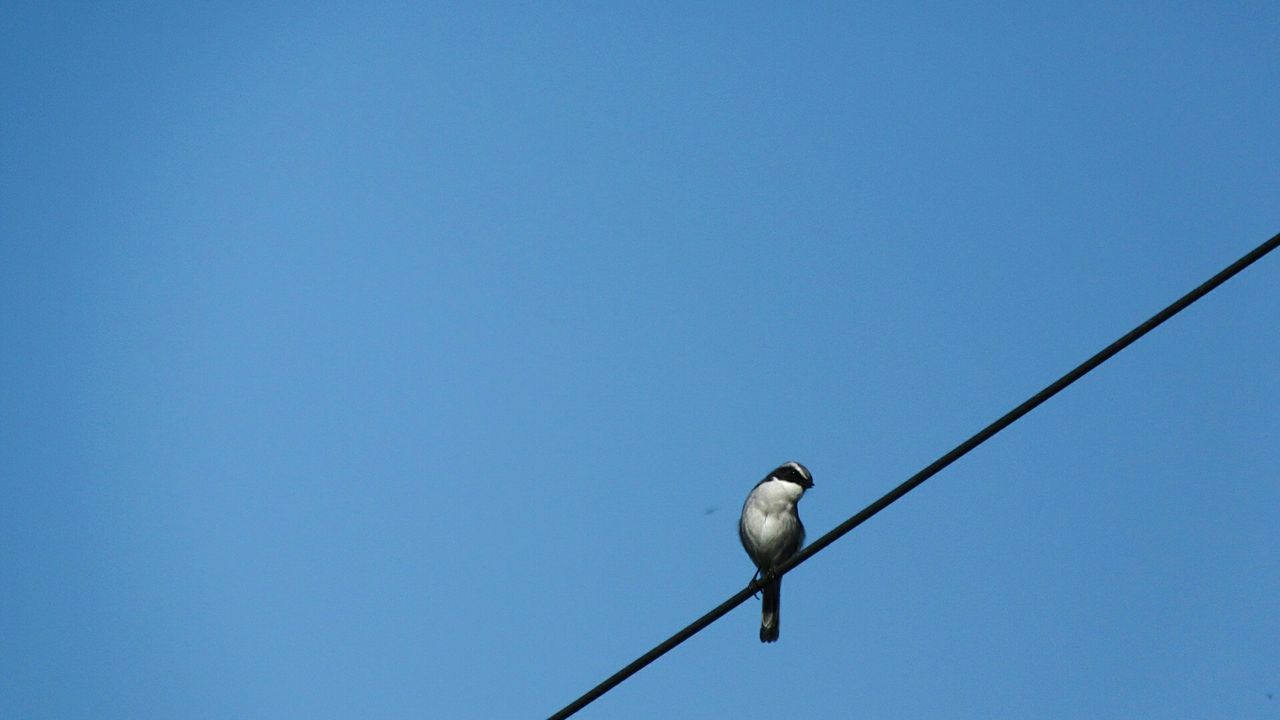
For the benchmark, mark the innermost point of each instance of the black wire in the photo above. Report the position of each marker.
(915, 480)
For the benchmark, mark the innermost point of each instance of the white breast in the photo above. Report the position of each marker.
(769, 522)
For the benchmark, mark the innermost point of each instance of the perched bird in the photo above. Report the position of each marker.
(771, 532)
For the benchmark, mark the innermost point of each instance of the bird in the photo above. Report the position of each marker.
(771, 532)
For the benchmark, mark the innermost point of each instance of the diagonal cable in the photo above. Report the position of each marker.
(929, 471)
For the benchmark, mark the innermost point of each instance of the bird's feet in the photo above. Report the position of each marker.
(765, 577)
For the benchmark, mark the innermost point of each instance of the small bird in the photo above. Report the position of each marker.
(771, 532)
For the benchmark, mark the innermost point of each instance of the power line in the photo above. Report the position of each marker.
(929, 471)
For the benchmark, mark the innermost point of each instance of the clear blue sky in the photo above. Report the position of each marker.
(403, 362)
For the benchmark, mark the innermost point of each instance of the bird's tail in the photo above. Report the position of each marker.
(769, 606)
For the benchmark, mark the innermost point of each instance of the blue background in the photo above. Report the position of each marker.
(403, 361)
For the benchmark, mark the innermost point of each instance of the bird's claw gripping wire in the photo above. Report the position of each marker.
(764, 577)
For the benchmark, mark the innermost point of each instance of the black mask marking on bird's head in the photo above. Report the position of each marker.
(793, 472)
